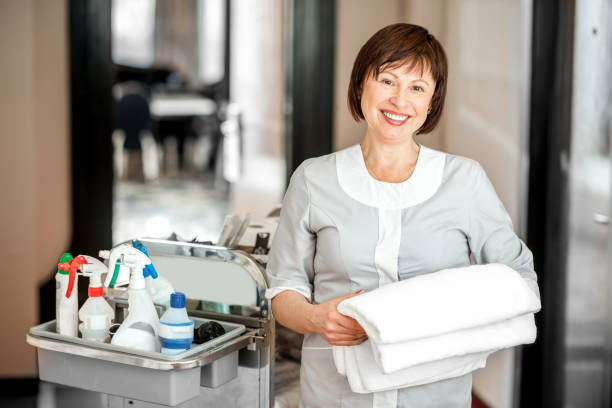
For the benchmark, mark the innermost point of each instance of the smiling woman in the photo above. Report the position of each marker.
(406, 48)
(395, 104)
(398, 85)
(390, 210)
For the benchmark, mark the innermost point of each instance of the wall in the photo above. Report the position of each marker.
(488, 47)
(176, 37)
(256, 73)
(356, 21)
(34, 166)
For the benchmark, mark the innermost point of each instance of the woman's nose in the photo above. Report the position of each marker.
(400, 98)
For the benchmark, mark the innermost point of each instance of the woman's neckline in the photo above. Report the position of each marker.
(417, 165)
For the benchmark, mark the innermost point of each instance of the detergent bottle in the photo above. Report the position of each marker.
(96, 314)
(66, 294)
(158, 287)
(140, 329)
(175, 327)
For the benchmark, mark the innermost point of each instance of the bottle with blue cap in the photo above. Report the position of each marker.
(140, 329)
(175, 327)
(158, 287)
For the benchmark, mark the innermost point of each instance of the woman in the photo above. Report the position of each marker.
(385, 210)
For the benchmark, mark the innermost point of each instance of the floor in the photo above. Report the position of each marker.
(190, 207)
(55, 396)
(195, 206)
(52, 396)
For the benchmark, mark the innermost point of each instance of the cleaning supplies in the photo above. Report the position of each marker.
(175, 327)
(158, 287)
(63, 306)
(66, 294)
(140, 329)
(119, 273)
(207, 332)
(96, 314)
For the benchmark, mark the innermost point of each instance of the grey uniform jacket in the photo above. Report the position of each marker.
(341, 231)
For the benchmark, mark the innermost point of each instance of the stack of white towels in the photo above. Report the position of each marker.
(436, 326)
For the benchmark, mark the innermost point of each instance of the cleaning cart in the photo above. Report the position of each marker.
(233, 370)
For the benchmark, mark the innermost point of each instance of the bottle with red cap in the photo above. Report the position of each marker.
(96, 315)
(66, 297)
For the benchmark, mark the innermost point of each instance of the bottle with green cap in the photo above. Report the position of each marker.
(66, 302)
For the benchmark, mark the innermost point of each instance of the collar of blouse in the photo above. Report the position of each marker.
(356, 181)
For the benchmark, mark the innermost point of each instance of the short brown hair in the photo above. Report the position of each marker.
(394, 45)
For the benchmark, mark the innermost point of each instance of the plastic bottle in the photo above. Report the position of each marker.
(158, 287)
(175, 327)
(140, 329)
(61, 284)
(119, 273)
(66, 294)
(96, 314)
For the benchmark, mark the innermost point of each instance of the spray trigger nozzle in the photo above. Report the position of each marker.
(149, 270)
(72, 266)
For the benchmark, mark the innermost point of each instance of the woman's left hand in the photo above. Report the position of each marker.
(334, 327)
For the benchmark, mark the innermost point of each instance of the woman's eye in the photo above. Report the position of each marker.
(387, 82)
(418, 89)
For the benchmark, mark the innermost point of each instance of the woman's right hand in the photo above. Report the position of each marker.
(334, 327)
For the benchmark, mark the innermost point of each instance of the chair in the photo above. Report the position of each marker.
(133, 119)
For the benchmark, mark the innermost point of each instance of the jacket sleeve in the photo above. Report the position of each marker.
(291, 258)
(491, 237)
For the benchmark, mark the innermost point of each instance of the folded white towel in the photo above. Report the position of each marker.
(441, 302)
(495, 336)
(436, 326)
(364, 375)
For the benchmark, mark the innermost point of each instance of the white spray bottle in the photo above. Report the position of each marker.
(66, 294)
(96, 315)
(118, 272)
(158, 287)
(140, 329)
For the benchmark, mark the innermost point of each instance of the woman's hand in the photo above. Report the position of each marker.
(334, 327)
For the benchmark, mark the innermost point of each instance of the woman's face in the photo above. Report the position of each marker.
(395, 104)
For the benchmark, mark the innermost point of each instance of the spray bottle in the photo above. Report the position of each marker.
(66, 294)
(158, 287)
(140, 329)
(96, 314)
(118, 272)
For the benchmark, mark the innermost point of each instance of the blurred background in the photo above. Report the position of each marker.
(129, 118)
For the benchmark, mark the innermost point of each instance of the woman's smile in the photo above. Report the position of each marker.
(394, 118)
